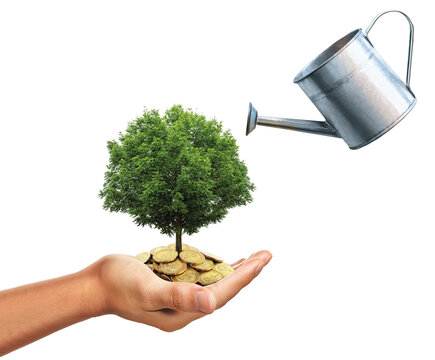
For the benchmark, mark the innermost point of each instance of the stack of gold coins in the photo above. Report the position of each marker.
(190, 265)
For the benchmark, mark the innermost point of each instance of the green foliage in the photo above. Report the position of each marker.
(177, 172)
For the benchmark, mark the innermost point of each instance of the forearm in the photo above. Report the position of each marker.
(30, 312)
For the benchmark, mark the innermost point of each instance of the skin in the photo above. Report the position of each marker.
(115, 284)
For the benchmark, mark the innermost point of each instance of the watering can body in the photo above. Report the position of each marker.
(356, 91)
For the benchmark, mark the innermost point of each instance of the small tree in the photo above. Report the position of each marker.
(178, 172)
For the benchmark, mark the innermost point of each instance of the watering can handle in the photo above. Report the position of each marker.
(411, 40)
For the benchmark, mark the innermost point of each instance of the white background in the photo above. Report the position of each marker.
(351, 232)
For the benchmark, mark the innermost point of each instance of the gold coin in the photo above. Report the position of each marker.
(206, 265)
(190, 276)
(223, 268)
(210, 277)
(157, 249)
(164, 277)
(156, 267)
(150, 266)
(176, 267)
(165, 255)
(192, 257)
(143, 257)
(183, 246)
(212, 257)
(193, 248)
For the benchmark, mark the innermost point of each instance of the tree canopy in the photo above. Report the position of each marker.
(177, 172)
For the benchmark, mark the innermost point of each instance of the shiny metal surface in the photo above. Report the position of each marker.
(308, 126)
(356, 91)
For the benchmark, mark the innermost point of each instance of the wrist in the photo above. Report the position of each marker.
(94, 298)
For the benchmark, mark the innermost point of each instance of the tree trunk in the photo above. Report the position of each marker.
(178, 231)
(178, 244)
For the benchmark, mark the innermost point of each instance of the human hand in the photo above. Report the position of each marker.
(122, 285)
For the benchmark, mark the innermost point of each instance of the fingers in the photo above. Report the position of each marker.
(238, 263)
(184, 297)
(224, 290)
(228, 287)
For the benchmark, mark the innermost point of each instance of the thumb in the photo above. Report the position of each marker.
(187, 297)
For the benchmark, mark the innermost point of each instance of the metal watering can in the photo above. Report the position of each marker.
(356, 91)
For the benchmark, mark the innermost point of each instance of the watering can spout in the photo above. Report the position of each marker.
(308, 126)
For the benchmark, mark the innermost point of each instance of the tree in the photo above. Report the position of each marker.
(177, 172)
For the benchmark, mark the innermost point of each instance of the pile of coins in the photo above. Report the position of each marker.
(190, 265)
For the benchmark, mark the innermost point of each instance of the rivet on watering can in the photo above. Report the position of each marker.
(356, 91)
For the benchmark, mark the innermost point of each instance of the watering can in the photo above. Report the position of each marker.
(359, 95)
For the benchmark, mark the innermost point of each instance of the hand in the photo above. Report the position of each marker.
(122, 285)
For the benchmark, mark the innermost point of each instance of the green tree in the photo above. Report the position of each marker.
(177, 172)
